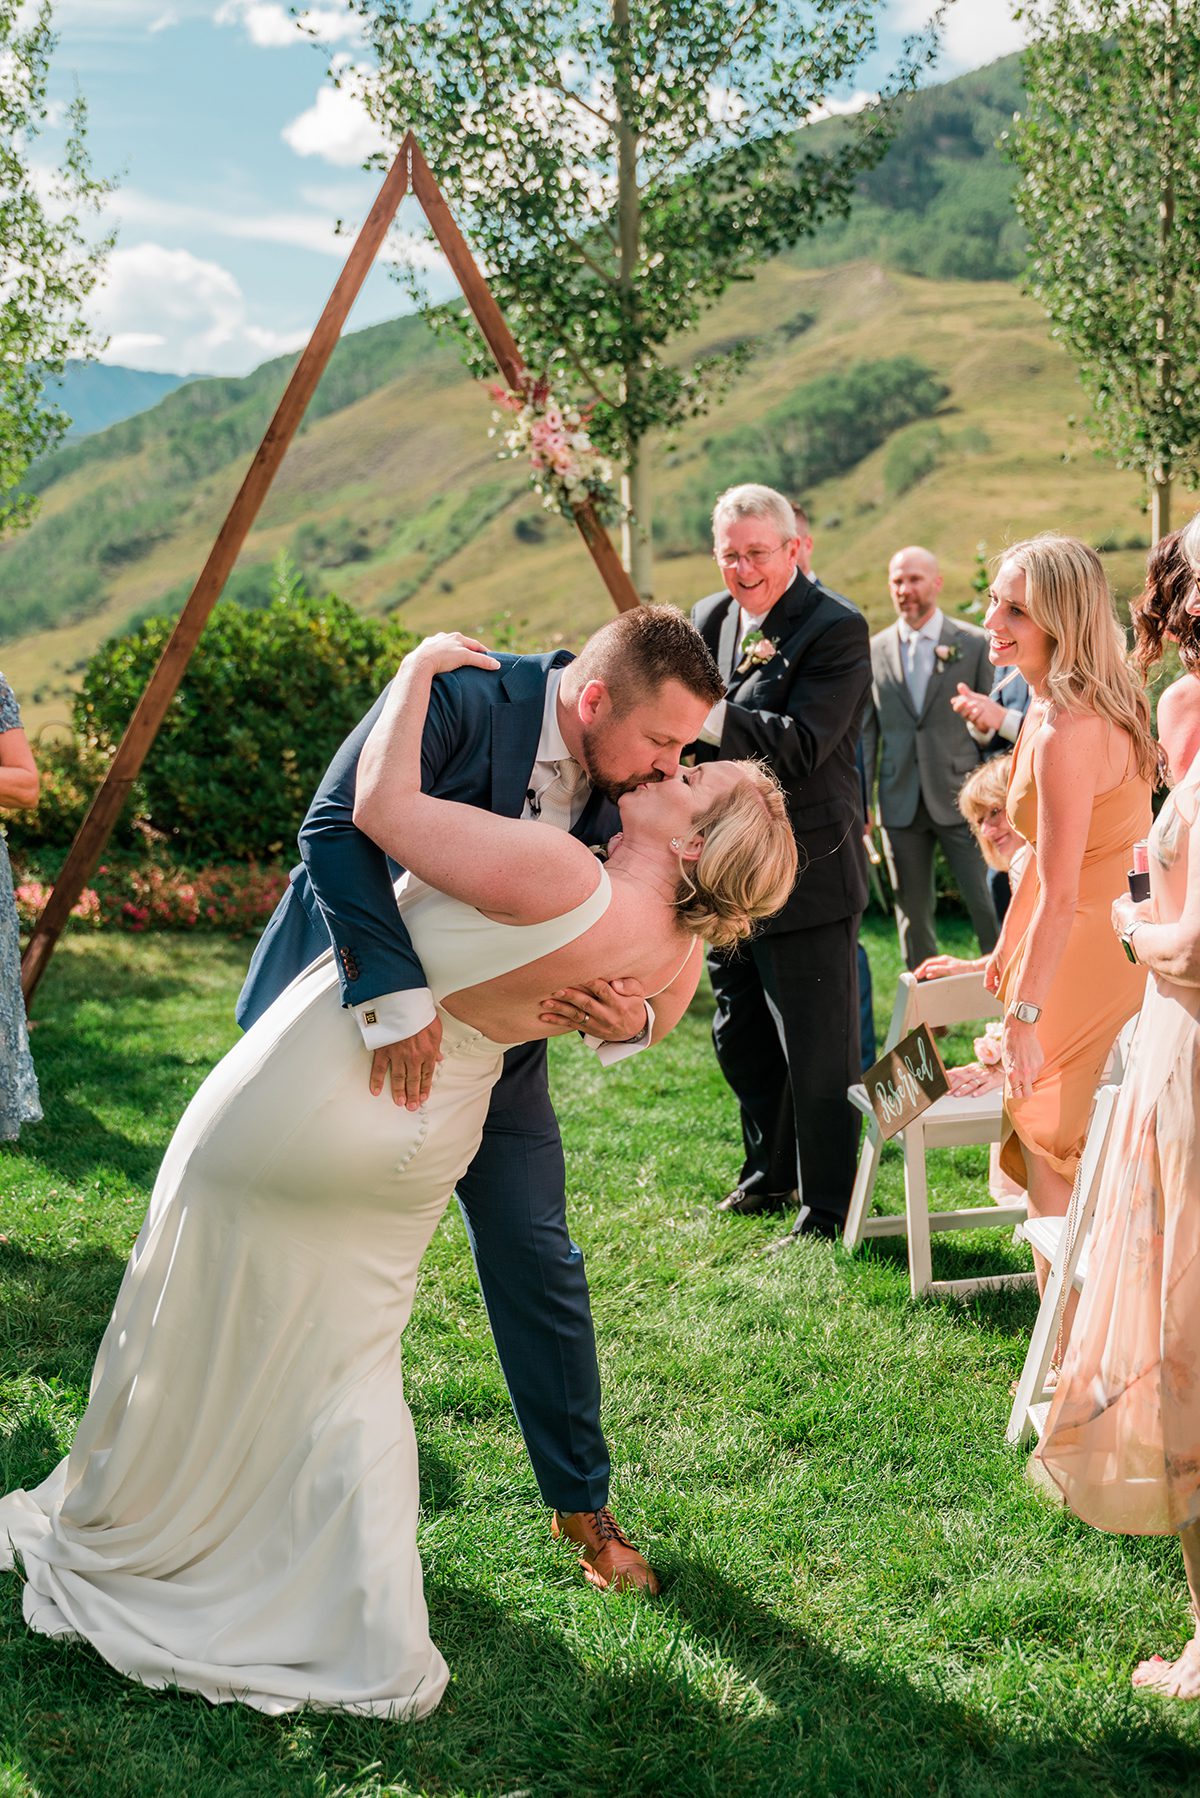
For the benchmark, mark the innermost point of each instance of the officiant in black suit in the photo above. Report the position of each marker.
(796, 660)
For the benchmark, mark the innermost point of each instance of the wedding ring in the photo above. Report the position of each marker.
(584, 1016)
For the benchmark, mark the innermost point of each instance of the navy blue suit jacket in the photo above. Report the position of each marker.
(479, 746)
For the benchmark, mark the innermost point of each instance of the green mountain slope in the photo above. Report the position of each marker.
(95, 395)
(392, 496)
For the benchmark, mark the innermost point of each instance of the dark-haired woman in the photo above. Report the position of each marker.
(1160, 616)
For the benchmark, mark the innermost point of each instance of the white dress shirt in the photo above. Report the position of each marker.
(555, 796)
(917, 655)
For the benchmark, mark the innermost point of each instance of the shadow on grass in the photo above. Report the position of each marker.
(736, 1701)
(55, 1308)
(73, 1141)
(962, 1255)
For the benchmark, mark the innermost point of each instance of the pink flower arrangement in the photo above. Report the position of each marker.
(567, 468)
(987, 1046)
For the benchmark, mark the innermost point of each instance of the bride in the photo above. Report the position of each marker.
(238, 1515)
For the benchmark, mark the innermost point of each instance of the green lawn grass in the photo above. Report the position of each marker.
(862, 1594)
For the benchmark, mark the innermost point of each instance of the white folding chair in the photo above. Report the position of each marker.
(1063, 1242)
(948, 1123)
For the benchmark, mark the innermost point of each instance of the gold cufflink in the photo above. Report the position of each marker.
(369, 1017)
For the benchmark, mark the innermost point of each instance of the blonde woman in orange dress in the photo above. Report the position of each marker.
(1079, 793)
(1123, 1436)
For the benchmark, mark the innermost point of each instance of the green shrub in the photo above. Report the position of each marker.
(70, 773)
(824, 428)
(913, 455)
(266, 700)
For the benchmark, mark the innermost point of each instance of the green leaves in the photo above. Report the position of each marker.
(616, 169)
(268, 696)
(48, 266)
(1109, 148)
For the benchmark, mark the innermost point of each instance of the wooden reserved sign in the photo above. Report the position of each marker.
(906, 1081)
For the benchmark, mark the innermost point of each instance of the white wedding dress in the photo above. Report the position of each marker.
(238, 1515)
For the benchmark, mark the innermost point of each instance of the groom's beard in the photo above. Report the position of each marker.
(599, 762)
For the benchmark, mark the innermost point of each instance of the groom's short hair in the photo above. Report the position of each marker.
(636, 653)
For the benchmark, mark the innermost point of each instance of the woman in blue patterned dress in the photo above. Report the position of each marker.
(19, 787)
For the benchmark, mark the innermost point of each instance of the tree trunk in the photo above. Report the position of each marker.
(1160, 504)
(1165, 295)
(636, 551)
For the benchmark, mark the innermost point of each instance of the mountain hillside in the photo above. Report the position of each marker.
(898, 406)
(95, 395)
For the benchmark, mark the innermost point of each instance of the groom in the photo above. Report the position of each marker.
(544, 737)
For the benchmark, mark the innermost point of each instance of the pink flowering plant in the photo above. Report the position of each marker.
(566, 467)
(231, 897)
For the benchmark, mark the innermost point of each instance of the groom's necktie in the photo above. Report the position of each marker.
(917, 658)
(558, 795)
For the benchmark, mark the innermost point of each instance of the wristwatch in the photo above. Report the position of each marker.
(1126, 938)
(1024, 1012)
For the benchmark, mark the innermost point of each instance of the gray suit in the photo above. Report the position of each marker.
(920, 761)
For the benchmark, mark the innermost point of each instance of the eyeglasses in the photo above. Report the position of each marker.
(729, 558)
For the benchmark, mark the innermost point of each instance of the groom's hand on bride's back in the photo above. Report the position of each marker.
(613, 1010)
(407, 1066)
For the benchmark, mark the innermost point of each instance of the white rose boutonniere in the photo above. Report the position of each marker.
(756, 649)
(945, 653)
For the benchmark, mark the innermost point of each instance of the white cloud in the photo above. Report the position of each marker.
(168, 309)
(271, 26)
(337, 127)
(975, 32)
(829, 109)
(93, 18)
(164, 22)
(130, 207)
(725, 105)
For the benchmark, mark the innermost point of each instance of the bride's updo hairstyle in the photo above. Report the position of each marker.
(747, 867)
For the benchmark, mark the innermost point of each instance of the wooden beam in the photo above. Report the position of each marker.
(508, 359)
(151, 709)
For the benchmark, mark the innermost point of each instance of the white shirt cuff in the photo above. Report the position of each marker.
(1010, 729)
(982, 737)
(394, 1016)
(610, 1053)
(714, 724)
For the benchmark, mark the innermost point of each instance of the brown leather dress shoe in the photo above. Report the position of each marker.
(609, 1559)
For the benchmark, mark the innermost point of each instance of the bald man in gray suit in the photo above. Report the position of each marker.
(920, 751)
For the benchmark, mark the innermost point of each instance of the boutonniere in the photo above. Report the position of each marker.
(945, 653)
(756, 649)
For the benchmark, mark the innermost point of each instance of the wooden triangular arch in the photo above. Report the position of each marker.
(409, 172)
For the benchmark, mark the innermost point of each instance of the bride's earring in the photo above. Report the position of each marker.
(676, 844)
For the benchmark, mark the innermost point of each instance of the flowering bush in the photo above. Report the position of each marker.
(568, 470)
(235, 899)
(31, 897)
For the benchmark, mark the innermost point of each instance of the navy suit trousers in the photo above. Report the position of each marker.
(514, 1203)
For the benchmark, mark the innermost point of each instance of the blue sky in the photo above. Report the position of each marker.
(236, 156)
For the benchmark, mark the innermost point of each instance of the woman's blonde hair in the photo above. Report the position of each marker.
(985, 788)
(747, 866)
(1067, 596)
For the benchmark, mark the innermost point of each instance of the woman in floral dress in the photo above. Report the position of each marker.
(19, 786)
(1123, 1437)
